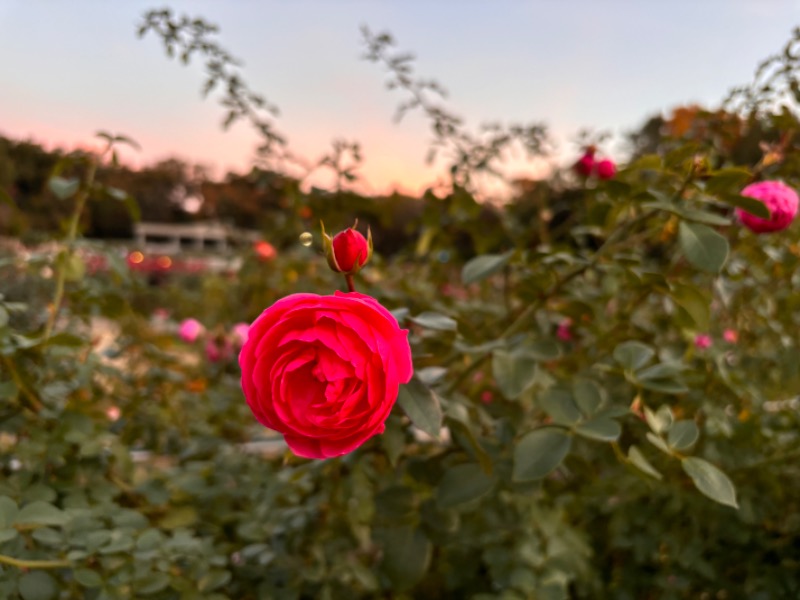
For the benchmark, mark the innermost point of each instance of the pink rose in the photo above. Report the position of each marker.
(564, 331)
(239, 334)
(605, 169)
(324, 370)
(190, 329)
(731, 336)
(702, 341)
(779, 198)
(219, 349)
(585, 164)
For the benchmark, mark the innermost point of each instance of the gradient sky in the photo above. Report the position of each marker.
(70, 68)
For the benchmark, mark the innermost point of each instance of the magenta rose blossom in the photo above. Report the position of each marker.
(324, 370)
(190, 329)
(780, 199)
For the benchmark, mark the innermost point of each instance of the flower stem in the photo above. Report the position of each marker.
(351, 285)
(34, 564)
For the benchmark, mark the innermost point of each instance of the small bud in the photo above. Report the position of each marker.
(348, 251)
(605, 169)
(585, 164)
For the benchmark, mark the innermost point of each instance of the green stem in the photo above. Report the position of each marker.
(34, 564)
(72, 234)
(36, 404)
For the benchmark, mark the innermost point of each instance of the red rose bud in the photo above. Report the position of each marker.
(585, 165)
(606, 169)
(348, 250)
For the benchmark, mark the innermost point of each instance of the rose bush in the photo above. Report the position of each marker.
(324, 370)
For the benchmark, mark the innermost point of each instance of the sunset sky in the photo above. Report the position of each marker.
(69, 69)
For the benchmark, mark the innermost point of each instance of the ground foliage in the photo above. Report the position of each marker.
(563, 436)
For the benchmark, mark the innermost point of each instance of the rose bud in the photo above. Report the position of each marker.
(324, 371)
(348, 250)
(190, 329)
(605, 169)
(779, 198)
(585, 164)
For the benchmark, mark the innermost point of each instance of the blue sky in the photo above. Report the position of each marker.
(71, 68)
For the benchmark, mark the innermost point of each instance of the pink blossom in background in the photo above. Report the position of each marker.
(113, 413)
(487, 397)
(731, 336)
(779, 198)
(564, 331)
(161, 314)
(239, 333)
(219, 350)
(585, 164)
(605, 169)
(702, 341)
(190, 329)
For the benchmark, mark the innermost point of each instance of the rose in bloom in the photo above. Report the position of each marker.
(239, 334)
(702, 341)
(779, 198)
(605, 169)
(324, 370)
(731, 336)
(190, 329)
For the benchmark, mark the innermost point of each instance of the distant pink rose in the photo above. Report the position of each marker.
(190, 329)
(605, 169)
(564, 331)
(162, 314)
(113, 413)
(325, 371)
(585, 164)
(779, 198)
(219, 349)
(487, 396)
(702, 341)
(239, 334)
(731, 336)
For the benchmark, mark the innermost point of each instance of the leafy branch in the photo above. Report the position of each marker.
(478, 152)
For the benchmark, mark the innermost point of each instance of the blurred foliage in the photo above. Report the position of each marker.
(563, 436)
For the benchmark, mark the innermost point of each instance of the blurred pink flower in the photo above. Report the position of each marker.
(779, 198)
(702, 341)
(162, 314)
(219, 349)
(585, 164)
(731, 336)
(605, 169)
(487, 396)
(564, 332)
(190, 329)
(113, 413)
(239, 333)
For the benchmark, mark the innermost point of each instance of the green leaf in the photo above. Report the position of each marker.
(40, 513)
(152, 583)
(482, 266)
(422, 406)
(601, 429)
(436, 321)
(88, 578)
(62, 187)
(703, 247)
(406, 556)
(664, 370)
(213, 580)
(710, 481)
(8, 512)
(638, 460)
(694, 302)
(37, 585)
(6, 535)
(665, 386)
(658, 443)
(727, 180)
(3, 316)
(542, 349)
(514, 371)
(539, 452)
(560, 406)
(752, 205)
(462, 484)
(659, 421)
(633, 355)
(683, 434)
(588, 395)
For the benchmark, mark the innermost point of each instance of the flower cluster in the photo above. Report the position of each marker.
(220, 346)
(588, 165)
